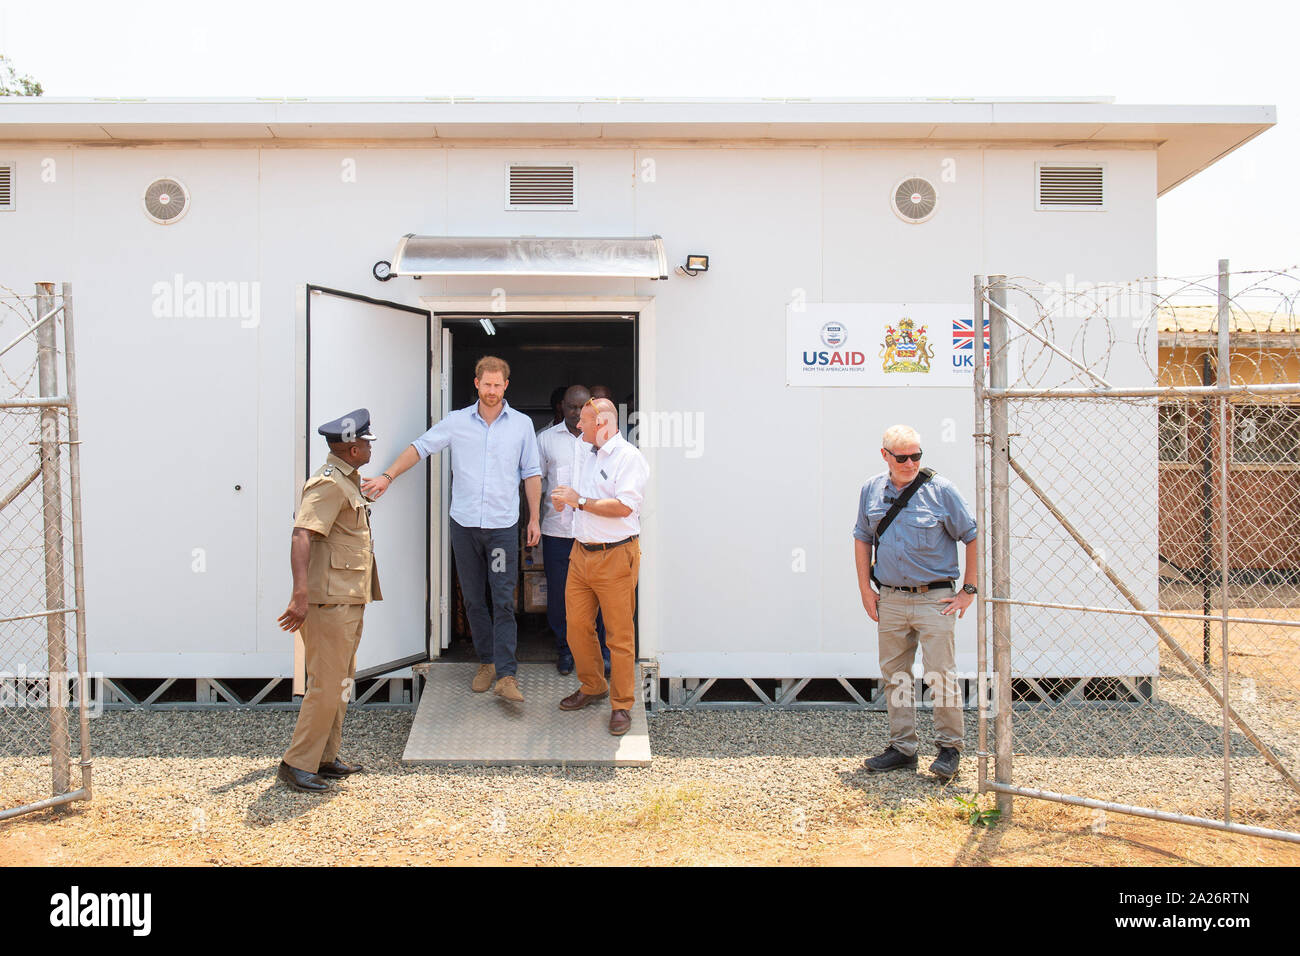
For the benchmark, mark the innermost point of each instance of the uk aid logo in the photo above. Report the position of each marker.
(963, 344)
(834, 335)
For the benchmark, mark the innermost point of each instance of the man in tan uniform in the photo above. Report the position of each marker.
(334, 577)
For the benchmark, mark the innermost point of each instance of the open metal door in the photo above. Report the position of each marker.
(364, 352)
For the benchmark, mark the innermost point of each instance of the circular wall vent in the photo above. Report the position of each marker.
(914, 200)
(166, 201)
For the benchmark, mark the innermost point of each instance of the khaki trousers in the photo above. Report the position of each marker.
(330, 635)
(604, 580)
(906, 619)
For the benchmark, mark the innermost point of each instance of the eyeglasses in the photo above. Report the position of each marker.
(915, 456)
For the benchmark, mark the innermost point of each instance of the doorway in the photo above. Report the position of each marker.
(546, 352)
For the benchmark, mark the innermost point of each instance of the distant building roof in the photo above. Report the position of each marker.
(1203, 319)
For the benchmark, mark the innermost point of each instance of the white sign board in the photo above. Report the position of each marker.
(872, 344)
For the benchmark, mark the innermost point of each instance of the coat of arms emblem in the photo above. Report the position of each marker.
(905, 349)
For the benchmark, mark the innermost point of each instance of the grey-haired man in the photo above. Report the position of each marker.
(914, 560)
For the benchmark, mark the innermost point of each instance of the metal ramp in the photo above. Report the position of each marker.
(455, 726)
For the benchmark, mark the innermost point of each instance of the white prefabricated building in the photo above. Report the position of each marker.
(212, 341)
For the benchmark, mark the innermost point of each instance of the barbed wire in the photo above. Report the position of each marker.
(1206, 536)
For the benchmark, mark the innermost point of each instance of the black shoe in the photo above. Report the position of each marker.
(891, 759)
(301, 780)
(337, 768)
(607, 667)
(945, 765)
(564, 664)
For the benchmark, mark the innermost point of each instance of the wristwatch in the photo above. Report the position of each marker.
(970, 589)
(582, 504)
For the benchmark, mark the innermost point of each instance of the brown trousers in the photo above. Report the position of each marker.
(604, 580)
(330, 635)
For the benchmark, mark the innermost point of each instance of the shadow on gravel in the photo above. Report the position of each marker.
(277, 804)
(903, 789)
(981, 846)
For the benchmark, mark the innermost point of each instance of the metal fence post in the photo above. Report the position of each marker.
(52, 510)
(981, 526)
(1225, 380)
(78, 561)
(1000, 536)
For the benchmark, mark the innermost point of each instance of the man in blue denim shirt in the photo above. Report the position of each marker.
(493, 447)
(916, 567)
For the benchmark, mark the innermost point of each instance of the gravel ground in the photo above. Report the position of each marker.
(196, 775)
(199, 787)
(1169, 755)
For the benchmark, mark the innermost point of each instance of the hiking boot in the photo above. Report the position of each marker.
(891, 759)
(945, 765)
(483, 678)
(508, 688)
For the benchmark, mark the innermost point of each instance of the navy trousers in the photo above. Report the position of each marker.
(489, 557)
(555, 560)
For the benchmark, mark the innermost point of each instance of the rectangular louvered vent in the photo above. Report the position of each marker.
(6, 186)
(543, 187)
(1071, 187)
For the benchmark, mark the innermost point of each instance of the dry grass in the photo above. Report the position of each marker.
(739, 789)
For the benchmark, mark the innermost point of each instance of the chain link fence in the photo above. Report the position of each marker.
(43, 686)
(1139, 477)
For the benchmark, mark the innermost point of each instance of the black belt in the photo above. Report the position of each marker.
(606, 547)
(922, 588)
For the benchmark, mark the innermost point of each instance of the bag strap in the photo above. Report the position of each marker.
(899, 504)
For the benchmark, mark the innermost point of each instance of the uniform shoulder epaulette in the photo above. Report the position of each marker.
(318, 479)
(329, 470)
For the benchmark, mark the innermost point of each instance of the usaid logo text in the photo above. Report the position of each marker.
(845, 359)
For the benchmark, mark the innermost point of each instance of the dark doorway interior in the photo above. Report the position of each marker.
(544, 352)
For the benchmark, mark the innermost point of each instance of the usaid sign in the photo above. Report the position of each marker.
(895, 343)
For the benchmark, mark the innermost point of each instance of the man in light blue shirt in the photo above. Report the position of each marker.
(492, 447)
(914, 561)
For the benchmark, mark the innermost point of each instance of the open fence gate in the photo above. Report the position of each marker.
(43, 680)
(1138, 486)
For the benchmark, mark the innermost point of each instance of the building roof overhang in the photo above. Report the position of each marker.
(1186, 138)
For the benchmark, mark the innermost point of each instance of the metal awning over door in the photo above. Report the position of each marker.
(633, 258)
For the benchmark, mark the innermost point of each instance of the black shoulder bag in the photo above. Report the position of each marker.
(899, 504)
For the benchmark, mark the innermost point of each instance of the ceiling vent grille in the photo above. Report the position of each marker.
(165, 201)
(6, 186)
(543, 187)
(1063, 186)
(915, 200)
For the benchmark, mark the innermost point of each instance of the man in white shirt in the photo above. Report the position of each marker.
(561, 451)
(605, 562)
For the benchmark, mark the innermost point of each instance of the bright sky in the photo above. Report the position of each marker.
(1245, 208)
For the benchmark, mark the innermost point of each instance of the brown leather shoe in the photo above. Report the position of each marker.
(337, 769)
(578, 700)
(620, 722)
(508, 688)
(483, 678)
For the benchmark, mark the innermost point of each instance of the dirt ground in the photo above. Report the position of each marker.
(724, 789)
(678, 831)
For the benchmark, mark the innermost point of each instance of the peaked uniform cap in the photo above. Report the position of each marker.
(350, 427)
